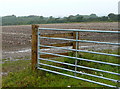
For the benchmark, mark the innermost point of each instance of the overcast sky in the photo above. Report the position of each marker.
(57, 8)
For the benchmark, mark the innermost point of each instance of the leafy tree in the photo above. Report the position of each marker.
(33, 19)
(104, 18)
(79, 18)
(113, 17)
(93, 16)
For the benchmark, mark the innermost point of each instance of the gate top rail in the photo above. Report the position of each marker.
(79, 30)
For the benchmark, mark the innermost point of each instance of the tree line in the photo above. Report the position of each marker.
(33, 19)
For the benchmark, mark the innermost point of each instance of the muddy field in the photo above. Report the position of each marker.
(16, 41)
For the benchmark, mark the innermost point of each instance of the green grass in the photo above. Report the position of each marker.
(29, 78)
(15, 66)
(97, 57)
(21, 75)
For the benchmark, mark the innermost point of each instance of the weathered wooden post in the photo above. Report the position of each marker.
(34, 45)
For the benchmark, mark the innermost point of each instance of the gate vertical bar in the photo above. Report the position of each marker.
(38, 48)
(34, 46)
(118, 84)
(76, 53)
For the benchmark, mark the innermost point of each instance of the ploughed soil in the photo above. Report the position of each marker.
(16, 40)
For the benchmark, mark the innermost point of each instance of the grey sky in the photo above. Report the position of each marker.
(57, 7)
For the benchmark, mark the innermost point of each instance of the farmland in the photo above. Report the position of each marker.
(16, 47)
(17, 39)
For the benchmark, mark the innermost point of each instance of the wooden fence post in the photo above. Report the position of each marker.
(34, 46)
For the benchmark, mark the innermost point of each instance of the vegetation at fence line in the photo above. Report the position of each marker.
(25, 77)
(32, 19)
(21, 75)
(100, 66)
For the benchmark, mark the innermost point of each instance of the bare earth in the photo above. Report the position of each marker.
(16, 41)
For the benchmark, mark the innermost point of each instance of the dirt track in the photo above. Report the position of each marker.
(17, 39)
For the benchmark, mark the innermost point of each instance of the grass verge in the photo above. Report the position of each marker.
(21, 75)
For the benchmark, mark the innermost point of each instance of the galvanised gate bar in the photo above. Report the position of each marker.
(76, 58)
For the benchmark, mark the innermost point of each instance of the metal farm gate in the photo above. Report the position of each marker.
(72, 70)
